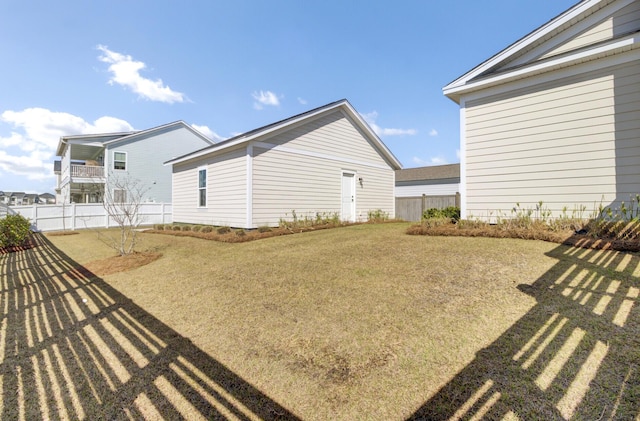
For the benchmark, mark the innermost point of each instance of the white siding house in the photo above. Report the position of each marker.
(555, 117)
(88, 161)
(325, 160)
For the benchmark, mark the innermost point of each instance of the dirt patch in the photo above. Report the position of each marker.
(117, 264)
(566, 237)
(60, 233)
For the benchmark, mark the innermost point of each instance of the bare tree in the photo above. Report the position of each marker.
(122, 198)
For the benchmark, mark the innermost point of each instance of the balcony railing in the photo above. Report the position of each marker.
(87, 171)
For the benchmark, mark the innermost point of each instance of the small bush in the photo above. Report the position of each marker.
(223, 230)
(159, 227)
(14, 231)
(451, 212)
(176, 228)
(264, 228)
(377, 215)
(196, 228)
(206, 229)
(241, 233)
(185, 228)
(436, 222)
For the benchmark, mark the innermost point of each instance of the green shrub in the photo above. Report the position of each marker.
(176, 228)
(14, 230)
(451, 212)
(377, 215)
(186, 228)
(264, 228)
(159, 227)
(196, 228)
(241, 233)
(206, 229)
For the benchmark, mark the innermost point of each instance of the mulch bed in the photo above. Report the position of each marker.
(568, 237)
(241, 236)
(29, 244)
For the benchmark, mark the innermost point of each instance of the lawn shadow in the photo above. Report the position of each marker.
(73, 347)
(574, 355)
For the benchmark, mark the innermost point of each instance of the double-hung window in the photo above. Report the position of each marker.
(202, 187)
(120, 161)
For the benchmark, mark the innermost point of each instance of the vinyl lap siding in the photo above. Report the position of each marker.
(146, 155)
(569, 143)
(286, 180)
(333, 134)
(445, 189)
(624, 21)
(226, 190)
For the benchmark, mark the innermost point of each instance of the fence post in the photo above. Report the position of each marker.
(457, 199)
(35, 215)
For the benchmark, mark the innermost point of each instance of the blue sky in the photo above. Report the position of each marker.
(228, 67)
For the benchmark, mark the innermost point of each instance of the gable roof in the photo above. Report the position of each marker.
(112, 138)
(527, 55)
(243, 138)
(436, 172)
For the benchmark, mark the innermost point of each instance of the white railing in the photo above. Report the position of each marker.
(88, 171)
(87, 215)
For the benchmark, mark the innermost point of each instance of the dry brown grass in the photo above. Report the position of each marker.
(541, 232)
(366, 322)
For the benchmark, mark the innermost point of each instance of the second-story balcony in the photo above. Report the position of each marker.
(88, 171)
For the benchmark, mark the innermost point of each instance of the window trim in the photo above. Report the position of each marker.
(115, 196)
(125, 161)
(202, 188)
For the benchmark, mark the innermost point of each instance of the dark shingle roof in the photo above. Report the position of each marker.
(437, 172)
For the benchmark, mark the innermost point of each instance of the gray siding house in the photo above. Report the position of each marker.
(324, 160)
(89, 162)
(555, 117)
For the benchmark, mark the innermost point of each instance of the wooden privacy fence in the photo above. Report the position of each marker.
(90, 215)
(412, 208)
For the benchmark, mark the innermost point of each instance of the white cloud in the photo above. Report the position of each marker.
(30, 147)
(302, 101)
(263, 98)
(371, 118)
(126, 72)
(205, 130)
(433, 133)
(436, 160)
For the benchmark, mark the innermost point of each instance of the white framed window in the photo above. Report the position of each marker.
(120, 161)
(119, 195)
(202, 187)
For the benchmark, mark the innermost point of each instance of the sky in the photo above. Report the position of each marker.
(227, 67)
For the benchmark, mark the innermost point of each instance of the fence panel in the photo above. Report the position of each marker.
(87, 215)
(412, 208)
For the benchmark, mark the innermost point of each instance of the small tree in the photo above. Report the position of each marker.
(122, 199)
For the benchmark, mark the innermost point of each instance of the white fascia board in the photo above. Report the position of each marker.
(523, 43)
(622, 44)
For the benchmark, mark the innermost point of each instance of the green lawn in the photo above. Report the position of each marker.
(361, 322)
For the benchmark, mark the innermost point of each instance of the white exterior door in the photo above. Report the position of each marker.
(348, 197)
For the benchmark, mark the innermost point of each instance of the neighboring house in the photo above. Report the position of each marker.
(30, 199)
(16, 198)
(418, 189)
(555, 117)
(47, 198)
(326, 160)
(89, 162)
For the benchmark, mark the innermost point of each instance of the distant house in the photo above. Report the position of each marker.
(418, 189)
(47, 198)
(90, 162)
(30, 199)
(555, 117)
(326, 160)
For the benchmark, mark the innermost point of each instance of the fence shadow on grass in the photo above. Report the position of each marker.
(574, 355)
(73, 347)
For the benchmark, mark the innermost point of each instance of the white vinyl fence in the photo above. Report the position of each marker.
(90, 215)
